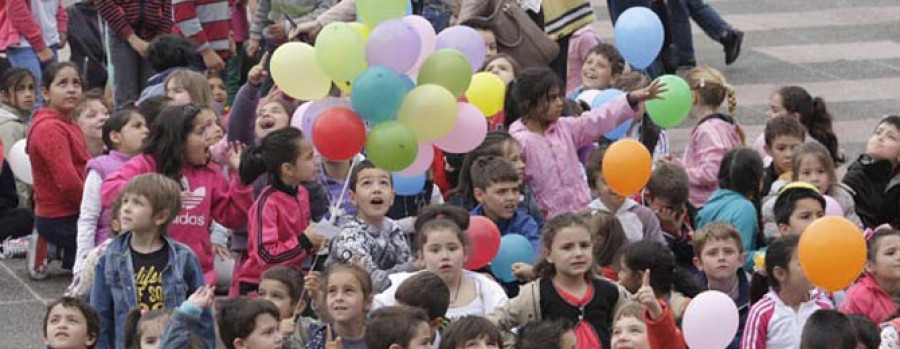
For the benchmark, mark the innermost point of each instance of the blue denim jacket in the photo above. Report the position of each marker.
(114, 293)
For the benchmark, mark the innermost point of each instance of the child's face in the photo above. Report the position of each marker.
(782, 150)
(479, 343)
(65, 92)
(265, 334)
(373, 195)
(813, 171)
(444, 254)
(277, 292)
(806, 211)
(269, 118)
(22, 95)
(502, 68)
(630, 333)
(136, 214)
(303, 168)
(177, 94)
(513, 153)
(219, 93)
(720, 259)
(571, 251)
(67, 328)
(345, 298)
(422, 337)
(197, 144)
(92, 119)
(628, 278)
(499, 200)
(596, 73)
(776, 107)
(609, 197)
(549, 109)
(568, 340)
(490, 42)
(152, 332)
(131, 138)
(793, 278)
(887, 259)
(884, 143)
(218, 132)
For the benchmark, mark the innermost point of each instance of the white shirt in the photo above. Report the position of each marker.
(489, 295)
(774, 325)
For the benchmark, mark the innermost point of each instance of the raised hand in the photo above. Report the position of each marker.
(203, 298)
(653, 91)
(258, 73)
(647, 297)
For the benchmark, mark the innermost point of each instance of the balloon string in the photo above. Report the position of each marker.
(340, 199)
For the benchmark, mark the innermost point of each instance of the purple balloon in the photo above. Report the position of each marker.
(467, 41)
(305, 116)
(394, 44)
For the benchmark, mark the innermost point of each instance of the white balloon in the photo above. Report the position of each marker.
(588, 96)
(20, 163)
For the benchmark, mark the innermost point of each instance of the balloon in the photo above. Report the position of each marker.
(626, 166)
(408, 186)
(426, 36)
(373, 12)
(394, 44)
(710, 321)
(486, 92)
(587, 96)
(620, 131)
(674, 104)
(341, 51)
(447, 68)
(339, 134)
(468, 132)
(296, 71)
(832, 207)
(429, 111)
(639, 36)
(378, 93)
(514, 248)
(484, 242)
(305, 116)
(391, 146)
(424, 157)
(832, 252)
(362, 29)
(465, 40)
(19, 162)
(605, 96)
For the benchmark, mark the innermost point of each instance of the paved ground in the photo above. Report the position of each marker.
(842, 50)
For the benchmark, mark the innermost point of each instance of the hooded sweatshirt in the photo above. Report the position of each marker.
(12, 127)
(58, 159)
(731, 207)
(713, 136)
(867, 298)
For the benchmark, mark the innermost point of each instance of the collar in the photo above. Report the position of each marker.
(284, 188)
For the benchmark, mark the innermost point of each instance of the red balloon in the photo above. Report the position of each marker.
(484, 242)
(338, 134)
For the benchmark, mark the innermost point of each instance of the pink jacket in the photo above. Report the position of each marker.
(17, 22)
(552, 168)
(707, 145)
(580, 44)
(207, 196)
(867, 298)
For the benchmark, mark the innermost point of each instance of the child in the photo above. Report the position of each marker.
(873, 295)
(15, 222)
(867, 334)
(219, 94)
(796, 207)
(776, 320)
(551, 143)
(207, 24)
(33, 34)
(674, 284)
(166, 54)
(206, 193)
(610, 238)
(829, 329)
(496, 185)
(471, 332)
(71, 323)
(638, 221)
(483, 27)
(646, 323)
(734, 202)
(720, 255)
(566, 288)
(17, 96)
(284, 287)
(812, 164)
(348, 297)
(502, 65)
(546, 334)
(796, 102)
(602, 66)
(580, 45)
(151, 107)
(667, 194)
(280, 216)
(185, 87)
(58, 158)
(426, 291)
(783, 135)
(398, 327)
(371, 239)
(872, 177)
(90, 116)
(244, 323)
(144, 330)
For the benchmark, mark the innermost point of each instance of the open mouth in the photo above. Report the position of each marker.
(266, 123)
(377, 201)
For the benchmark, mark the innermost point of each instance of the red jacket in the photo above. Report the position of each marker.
(867, 298)
(16, 22)
(58, 159)
(663, 333)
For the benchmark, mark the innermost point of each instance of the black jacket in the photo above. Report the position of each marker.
(876, 191)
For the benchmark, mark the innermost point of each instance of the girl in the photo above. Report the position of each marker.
(776, 321)
(348, 298)
(812, 113)
(283, 286)
(610, 238)
(219, 94)
(873, 177)
(736, 202)
(32, 32)
(505, 67)
(17, 97)
(812, 163)
(567, 288)
(58, 159)
(280, 216)
(184, 86)
(873, 295)
(145, 330)
(550, 142)
(124, 135)
(90, 116)
(207, 194)
(670, 282)
(471, 332)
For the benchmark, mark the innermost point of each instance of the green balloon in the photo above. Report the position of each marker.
(341, 51)
(372, 12)
(674, 105)
(392, 146)
(448, 68)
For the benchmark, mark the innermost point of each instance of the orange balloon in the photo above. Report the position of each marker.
(626, 166)
(832, 252)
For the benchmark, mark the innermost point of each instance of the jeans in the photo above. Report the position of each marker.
(706, 17)
(616, 7)
(25, 57)
(130, 70)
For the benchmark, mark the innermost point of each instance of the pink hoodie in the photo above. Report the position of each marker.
(867, 298)
(707, 145)
(208, 196)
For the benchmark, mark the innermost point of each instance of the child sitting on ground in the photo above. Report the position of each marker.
(71, 323)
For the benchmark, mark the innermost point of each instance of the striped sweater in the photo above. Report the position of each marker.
(206, 22)
(145, 18)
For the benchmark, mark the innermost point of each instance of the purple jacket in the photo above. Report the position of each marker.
(105, 165)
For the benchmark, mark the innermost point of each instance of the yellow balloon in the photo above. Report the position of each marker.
(341, 51)
(486, 92)
(297, 72)
(429, 111)
(362, 29)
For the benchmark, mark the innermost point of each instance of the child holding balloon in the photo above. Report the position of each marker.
(874, 294)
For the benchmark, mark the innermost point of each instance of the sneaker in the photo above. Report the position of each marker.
(732, 42)
(14, 248)
(37, 257)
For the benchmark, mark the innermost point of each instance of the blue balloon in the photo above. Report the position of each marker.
(377, 93)
(514, 248)
(639, 36)
(619, 132)
(605, 96)
(408, 186)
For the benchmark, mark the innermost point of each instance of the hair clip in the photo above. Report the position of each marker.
(702, 82)
(868, 233)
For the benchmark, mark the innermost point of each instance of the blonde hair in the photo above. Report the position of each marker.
(712, 90)
(196, 85)
(717, 231)
(630, 309)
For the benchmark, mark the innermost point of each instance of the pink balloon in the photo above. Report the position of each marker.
(423, 161)
(305, 115)
(832, 207)
(468, 132)
(710, 321)
(427, 37)
(395, 44)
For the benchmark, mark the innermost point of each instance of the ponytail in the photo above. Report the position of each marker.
(252, 165)
(814, 116)
(731, 96)
(279, 147)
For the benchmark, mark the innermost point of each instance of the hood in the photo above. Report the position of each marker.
(8, 113)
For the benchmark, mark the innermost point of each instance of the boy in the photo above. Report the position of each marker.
(165, 54)
(398, 328)
(602, 66)
(244, 323)
(667, 195)
(783, 134)
(797, 206)
(427, 291)
(143, 267)
(496, 189)
(70, 323)
(720, 254)
(638, 221)
(873, 176)
(546, 334)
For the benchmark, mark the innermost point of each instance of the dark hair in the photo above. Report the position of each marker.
(50, 73)
(524, 93)
(168, 136)
(425, 290)
(786, 202)
(151, 107)
(478, 24)
(490, 170)
(442, 211)
(274, 150)
(611, 53)
(365, 280)
(393, 325)
(116, 123)
(867, 333)
(170, 51)
(783, 126)
(13, 77)
(237, 317)
(670, 182)
(665, 274)
(813, 115)
(289, 277)
(512, 62)
(609, 236)
(439, 224)
(92, 320)
(741, 170)
(545, 269)
(542, 335)
(593, 168)
(494, 144)
(133, 323)
(827, 328)
(778, 254)
(874, 241)
(470, 328)
(893, 120)
(356, 170)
